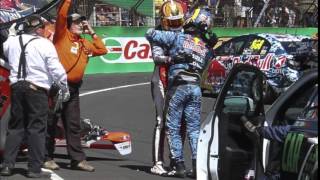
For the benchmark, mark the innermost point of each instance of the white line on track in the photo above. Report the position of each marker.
(55, 176)
(113, 88)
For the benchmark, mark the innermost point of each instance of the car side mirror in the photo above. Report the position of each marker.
(238, 105)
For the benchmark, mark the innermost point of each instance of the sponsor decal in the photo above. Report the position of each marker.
(280, 62)
(291, 152)
(195, 45)
(127, 50)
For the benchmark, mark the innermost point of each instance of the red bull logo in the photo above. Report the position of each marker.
(127, 50)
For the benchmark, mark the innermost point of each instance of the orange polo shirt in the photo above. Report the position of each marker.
(73, 50)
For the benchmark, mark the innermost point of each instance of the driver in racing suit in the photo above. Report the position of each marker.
(190, 54)
(172, 18)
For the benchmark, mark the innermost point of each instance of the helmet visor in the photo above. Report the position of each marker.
(173, 23)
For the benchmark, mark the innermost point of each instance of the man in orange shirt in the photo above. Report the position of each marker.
(73, 52)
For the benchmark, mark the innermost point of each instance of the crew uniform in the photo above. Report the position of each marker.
(73, 51)
(184, 94)
(31, 75)
(294, 141)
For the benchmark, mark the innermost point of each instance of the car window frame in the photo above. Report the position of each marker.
(276, 115)
(220, 48)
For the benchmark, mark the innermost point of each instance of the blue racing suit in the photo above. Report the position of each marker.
(183, 97)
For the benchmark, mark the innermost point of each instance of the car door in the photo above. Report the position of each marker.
(224, 144)
(293, 108)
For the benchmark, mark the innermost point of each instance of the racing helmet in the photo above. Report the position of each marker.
(199, 19)
(172, 15)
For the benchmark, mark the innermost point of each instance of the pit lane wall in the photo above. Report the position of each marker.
(129, 51)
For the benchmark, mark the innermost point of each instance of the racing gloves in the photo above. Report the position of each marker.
(210, 38)
(181, 57)
(250, 126)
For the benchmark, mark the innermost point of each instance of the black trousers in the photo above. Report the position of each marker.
(29, 112)
(70, 116)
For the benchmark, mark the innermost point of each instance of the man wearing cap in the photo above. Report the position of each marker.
(73, 51)
(34, 66)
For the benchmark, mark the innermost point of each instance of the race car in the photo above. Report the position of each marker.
(282, 58)
(226, 144)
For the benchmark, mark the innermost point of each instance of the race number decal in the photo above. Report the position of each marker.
(257, 44)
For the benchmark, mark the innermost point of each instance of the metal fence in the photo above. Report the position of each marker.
(266, 13)
(227, 13)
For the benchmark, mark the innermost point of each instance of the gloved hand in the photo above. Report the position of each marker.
(248, 125)
(181, 57)
(211, 39)
(12, 30)
(253, 130)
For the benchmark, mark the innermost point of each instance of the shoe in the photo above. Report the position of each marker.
(51, 165)
(82, 165)
(6, 171)
(192, 173)
(158, 169)
(41, 174)
(178, 170)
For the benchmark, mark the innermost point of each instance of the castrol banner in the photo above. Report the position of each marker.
(127, 50)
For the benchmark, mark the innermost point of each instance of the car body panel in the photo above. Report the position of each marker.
(212, 151)
(265, 51)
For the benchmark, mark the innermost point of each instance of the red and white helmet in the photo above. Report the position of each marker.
(172, 15)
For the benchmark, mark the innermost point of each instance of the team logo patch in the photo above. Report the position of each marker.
(114, 49)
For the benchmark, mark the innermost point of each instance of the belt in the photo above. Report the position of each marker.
(37, 88)
(29, 85)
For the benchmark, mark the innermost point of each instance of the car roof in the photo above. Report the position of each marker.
(282, 37)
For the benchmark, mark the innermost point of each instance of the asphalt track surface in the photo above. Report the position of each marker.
(117, 108)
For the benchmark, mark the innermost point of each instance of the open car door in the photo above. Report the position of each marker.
(225, 149)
